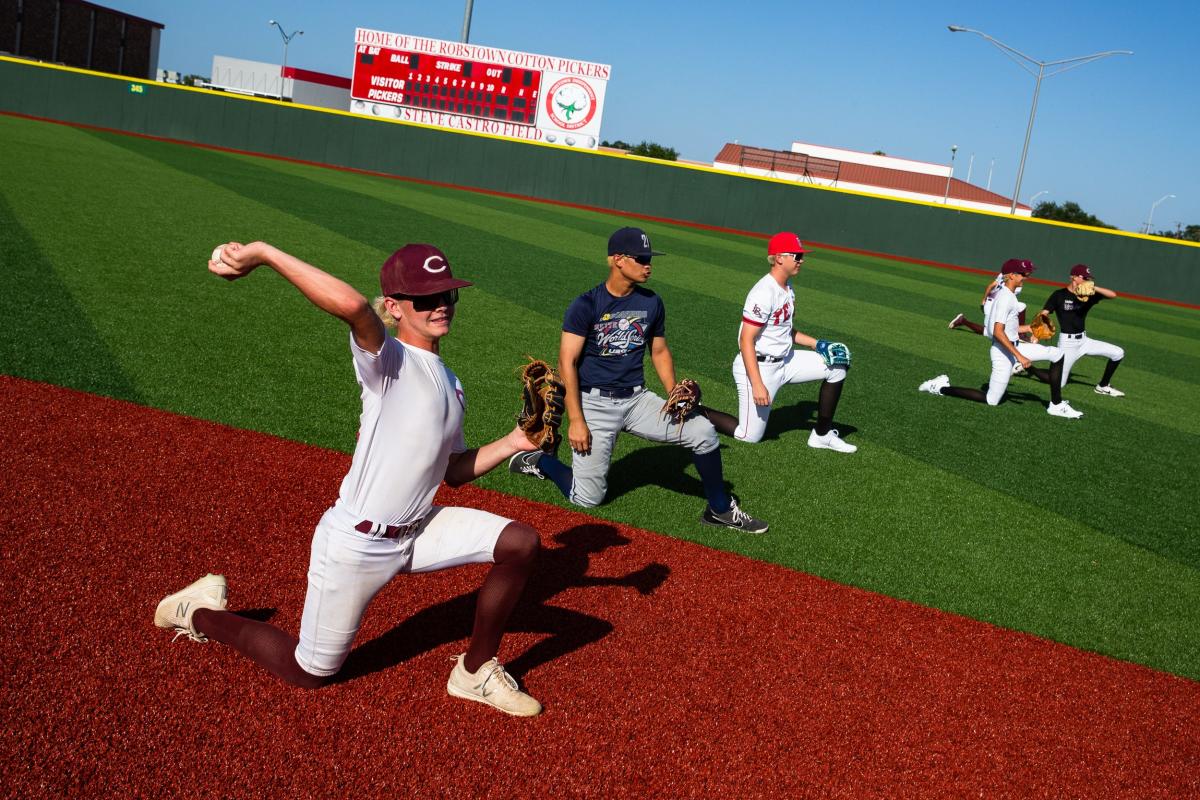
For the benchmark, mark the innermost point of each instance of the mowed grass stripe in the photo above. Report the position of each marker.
(842, 517)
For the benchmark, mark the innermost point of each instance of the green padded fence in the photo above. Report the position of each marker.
(1129, 263)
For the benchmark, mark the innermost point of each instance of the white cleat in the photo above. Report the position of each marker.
(176, 610)
(1110, 391)
(934, 385)
(1063, 409)
(830, 441)
(954, 323)
(492, 686)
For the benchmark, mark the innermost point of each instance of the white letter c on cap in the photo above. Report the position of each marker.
(428, 268)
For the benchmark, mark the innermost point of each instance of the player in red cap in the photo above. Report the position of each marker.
(384, 522)
(1071, 305)
(1007, 350)
(767, 357)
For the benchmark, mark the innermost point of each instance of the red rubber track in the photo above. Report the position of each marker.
(666, 669)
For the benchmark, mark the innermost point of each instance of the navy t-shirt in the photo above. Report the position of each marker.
(616, 331)
(1071, 311)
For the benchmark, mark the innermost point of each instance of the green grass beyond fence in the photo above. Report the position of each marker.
(103, 287)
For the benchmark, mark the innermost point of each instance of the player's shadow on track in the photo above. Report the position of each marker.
(558, 569)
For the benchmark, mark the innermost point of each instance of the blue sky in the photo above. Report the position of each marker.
(1115, 135)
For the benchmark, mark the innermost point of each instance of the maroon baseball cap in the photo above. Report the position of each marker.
(418, 270)
(1021, 266)
(785, 242)
(1082, 270)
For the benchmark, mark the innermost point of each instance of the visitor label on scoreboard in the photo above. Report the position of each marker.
(476, 88)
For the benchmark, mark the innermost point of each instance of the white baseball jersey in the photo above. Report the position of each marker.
(1002, 309)
(996, 286)
(771, 307)
(412, 420)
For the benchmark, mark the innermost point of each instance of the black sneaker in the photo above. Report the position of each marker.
(733, 518)
(526, 463)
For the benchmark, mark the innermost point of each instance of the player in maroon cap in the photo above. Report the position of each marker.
(384, 522)
(1007, 350)
(1071, 305)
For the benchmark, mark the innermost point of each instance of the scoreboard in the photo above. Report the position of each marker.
(471, 87)
(453, 85)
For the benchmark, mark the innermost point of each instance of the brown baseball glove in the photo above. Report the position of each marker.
(682, 401)
(1042, 327)
(1084, 290)
(542, 394)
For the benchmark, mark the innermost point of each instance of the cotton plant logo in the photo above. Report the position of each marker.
(571, 103)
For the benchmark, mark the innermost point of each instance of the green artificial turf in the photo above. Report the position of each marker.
(1080, 531)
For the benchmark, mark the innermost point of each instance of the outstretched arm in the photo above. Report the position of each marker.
(331, 295)
(1108, 293)
(466, 467)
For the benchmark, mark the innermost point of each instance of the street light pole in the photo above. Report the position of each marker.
(466, 31)
(287, 39)
(1033, 199)
(1150, 218)
(946, 196)
(1063, 65)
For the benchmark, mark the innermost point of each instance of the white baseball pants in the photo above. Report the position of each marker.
(347, 569)
(1077, 345)
(798, 366)
(1002, 365)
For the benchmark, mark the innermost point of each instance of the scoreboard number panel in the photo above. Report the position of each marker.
(477, 88)
(450, 85)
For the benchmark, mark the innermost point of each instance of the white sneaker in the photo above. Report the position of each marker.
(830, 441)
(176, 610)
(493, 686)
(1110, 391)
(954, 323)
(1063, 409)
(935, 385)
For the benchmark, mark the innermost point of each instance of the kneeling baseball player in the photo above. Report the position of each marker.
(606, 334)
(384, 521)
(1007, 350)
(1071, 305)
(767, 358)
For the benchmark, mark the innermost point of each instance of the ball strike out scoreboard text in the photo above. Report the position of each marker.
(471, 87)
(456, 86)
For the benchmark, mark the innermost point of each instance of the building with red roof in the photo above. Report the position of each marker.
(902, 178)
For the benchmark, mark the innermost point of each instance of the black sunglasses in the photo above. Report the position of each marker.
(798, 256)
(643, 260)
(429, 302)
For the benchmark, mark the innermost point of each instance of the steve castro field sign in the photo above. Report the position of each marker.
(473, 88)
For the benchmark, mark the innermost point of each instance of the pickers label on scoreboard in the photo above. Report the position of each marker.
(476, 88)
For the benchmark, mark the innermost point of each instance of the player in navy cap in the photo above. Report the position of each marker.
(606, 334)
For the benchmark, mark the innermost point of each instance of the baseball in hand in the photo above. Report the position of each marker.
(217, 253)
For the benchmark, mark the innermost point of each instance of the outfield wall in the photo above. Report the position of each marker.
(1129, 263)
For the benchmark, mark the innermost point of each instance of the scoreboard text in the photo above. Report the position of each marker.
(451, 85)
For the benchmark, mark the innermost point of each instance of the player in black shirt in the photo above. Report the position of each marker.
(1071, 305)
